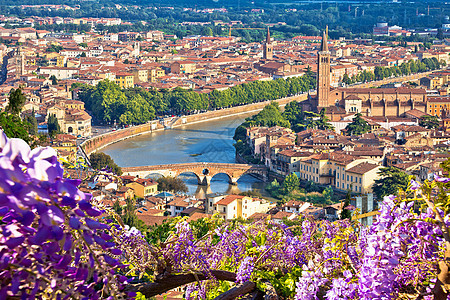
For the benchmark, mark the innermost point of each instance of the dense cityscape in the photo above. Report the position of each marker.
(239, 150)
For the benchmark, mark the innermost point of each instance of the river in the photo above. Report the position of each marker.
(210, 141)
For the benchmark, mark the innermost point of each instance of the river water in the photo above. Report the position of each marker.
(210, 141)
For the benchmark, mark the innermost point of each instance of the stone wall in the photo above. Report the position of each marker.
(109, 138)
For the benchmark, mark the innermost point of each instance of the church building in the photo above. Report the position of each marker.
(383, 102)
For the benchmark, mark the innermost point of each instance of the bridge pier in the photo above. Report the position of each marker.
(233, 181)
(204, 180)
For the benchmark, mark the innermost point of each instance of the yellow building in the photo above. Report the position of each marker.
(73, 104)
(438, 105)
(125, 80)
(140, 75)
(143, 187)
(183, 67)
(361, 177)
(154, 74)
(61, 61)
(340, 171)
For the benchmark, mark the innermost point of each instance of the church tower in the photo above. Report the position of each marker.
(323, 72)
(20, 63)
(267, 47)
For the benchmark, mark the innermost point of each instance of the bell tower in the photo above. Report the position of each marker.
(20, 63)
(323, 73)
(267, 47)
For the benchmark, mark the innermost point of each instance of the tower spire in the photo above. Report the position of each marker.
(267, 47)
(324, 45)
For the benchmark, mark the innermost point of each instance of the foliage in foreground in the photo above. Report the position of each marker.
(57, 242)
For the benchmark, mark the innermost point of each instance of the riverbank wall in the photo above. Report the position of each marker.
(98, 142)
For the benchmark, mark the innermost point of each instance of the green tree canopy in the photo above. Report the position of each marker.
(16, 101)
(100, 160)
(172, 184)
(358, 126)
(54, 80)
(430, 122)
(13, 127)
(390, 182)
(291, 183)
(53, 125)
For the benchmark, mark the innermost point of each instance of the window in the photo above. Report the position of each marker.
(224, 209)
(359, 179)
(347, 177)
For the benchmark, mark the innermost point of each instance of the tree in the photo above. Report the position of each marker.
(328, 194)
(54, 48)
(100, 160)
(129, 214)
(172, 184)
(53, 125)
(117, 207)
(440, 34)
(33, 125)
(430, 122)
(390, 182)
(13, 127)
(54, 80)
(358, 126)
(207, 31)
(16, 101)
(346, 79)
(291, 183)
(346, 213)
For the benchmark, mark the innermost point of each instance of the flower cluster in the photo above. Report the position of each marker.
(245, 270)
(56, 242)
(52, 242)
(309, 284)
(342, 288)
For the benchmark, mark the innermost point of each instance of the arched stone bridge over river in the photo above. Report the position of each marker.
(204, 171)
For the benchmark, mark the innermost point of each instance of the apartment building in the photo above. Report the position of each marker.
(125, 80)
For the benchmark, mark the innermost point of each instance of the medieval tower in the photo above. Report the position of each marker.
(20, 63)
(267, 47)
(323, 73)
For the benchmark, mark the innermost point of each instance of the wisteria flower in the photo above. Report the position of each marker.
(441, 179)
(414, 185)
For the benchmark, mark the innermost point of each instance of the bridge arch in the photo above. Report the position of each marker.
(203, 171)
(152, 175)
(199, 179)
(230, 177)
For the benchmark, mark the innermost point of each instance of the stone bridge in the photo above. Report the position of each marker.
(203, 170)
